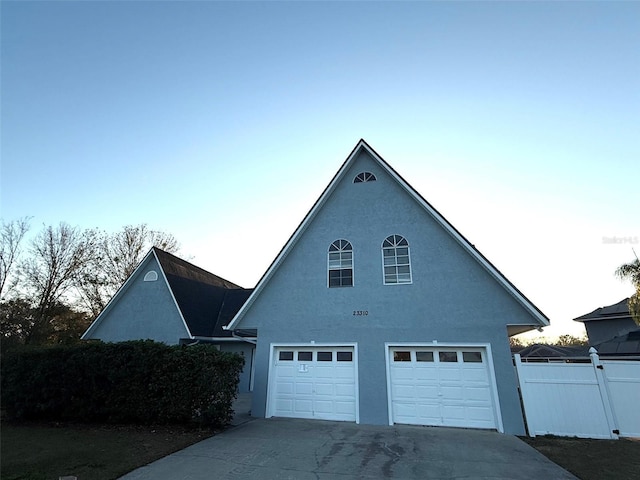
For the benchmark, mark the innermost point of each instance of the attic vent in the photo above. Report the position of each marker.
(364, 177)
(151, 276)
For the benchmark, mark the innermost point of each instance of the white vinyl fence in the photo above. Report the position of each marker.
(600, 399)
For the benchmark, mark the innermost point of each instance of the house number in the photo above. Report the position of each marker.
(360, 313)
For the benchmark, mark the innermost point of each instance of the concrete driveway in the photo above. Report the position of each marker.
(281, 448)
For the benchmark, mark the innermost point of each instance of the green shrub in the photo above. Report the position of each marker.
(129, 382)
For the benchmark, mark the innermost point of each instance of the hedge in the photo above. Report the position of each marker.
(140, 382)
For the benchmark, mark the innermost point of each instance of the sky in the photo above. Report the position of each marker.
(222, 122)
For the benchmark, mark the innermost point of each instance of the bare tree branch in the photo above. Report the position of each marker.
(11, 236)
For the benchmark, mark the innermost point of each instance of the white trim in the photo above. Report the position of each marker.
(382, 248)
(353, 270)
(362, 145)
(275, 345)
(435, 344)
(220, 339)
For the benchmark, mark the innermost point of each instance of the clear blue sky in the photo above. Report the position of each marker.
(222, 122)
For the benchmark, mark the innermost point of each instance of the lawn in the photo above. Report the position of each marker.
(46, 452)
(590, 459)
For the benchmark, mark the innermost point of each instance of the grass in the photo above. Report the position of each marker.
(590, 459)
(47, 452)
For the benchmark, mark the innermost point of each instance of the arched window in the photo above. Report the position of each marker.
(364, 177)
(396, 260)
(340, 264)
(151, 276)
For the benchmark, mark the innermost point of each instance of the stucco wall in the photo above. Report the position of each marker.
(452, 297)
(600, 331)
(245, 349)
(145, 310)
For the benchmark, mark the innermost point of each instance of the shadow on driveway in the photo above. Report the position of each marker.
(281, 448)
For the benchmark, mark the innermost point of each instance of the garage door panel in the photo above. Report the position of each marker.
(403, 373)
(452, 393)
(478, 413)
(449, 374)
(324, 371)
(402, 409)
(453, 412)
(285, 405)
(454, 389)
(304, 388)
(324, 389)
(481, 394)
(323, 406)
(426, 374)
(302, 406)
(345, 390)
(426, 391)
(286, 371)
(285, 388)
(343, 372)
(405, 391)
(345, 408)
(475, 375)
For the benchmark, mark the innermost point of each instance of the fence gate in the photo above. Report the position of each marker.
(588, 400)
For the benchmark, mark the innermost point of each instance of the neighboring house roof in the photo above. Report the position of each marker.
(615, 311)
(206, 302)
(628, 344)
(552, 351)
(540, 318)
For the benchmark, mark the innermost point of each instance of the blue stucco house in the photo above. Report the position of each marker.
(169, 300)
(378, 311)
(612, 330)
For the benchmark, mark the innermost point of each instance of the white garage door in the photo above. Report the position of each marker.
(314, 382)
(445, 386)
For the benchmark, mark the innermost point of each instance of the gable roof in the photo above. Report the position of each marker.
(610, 312)
(540, 317)
(205, 302)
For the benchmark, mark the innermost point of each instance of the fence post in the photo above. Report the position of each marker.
(604, 392)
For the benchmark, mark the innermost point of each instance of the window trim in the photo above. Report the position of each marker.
(340, 248)
(397, 239)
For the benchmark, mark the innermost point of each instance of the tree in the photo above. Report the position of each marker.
(571, 341)
(67, 277)
(49, 274)
(116, 257)
(631, 271)
(11, 236)
(20, 324)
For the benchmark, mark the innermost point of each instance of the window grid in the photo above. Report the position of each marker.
(396, 260)
(364, 177)
(340, 264)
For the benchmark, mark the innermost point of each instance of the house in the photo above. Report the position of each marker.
(543, 352)
(605, 323)
(378, 311)
(170, 300)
